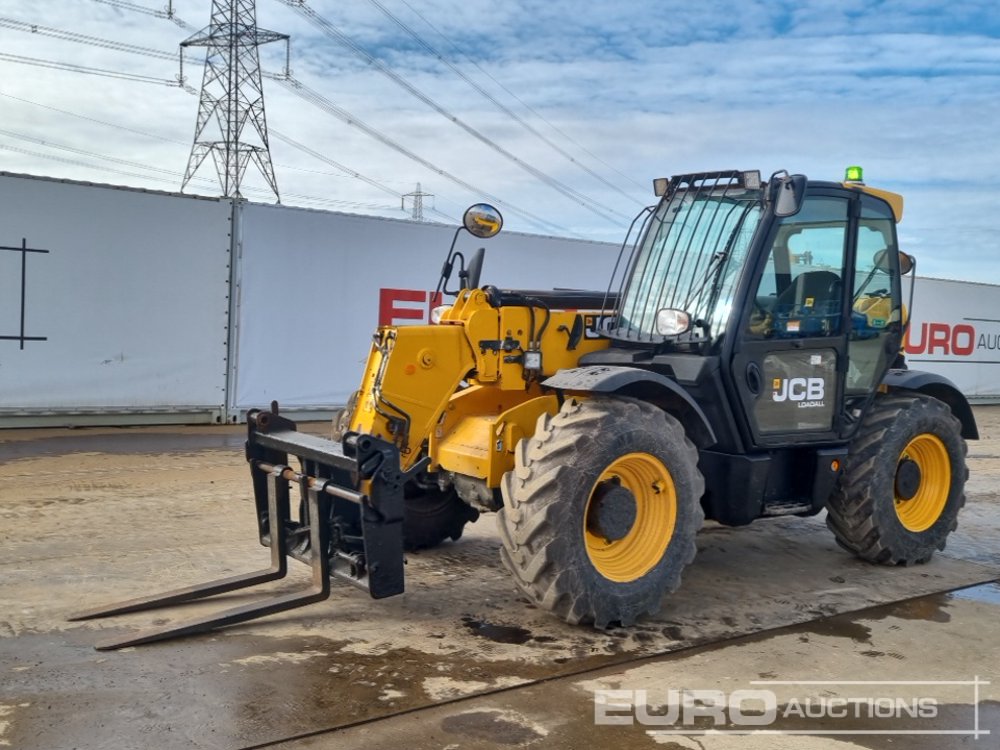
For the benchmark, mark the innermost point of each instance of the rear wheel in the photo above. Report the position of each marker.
(903, 482)
(601, 510)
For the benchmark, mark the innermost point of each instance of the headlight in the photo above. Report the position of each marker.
(671, 322)
(438, 312)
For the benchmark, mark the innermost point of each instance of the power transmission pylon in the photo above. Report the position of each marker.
(418, 202)
(232, 97)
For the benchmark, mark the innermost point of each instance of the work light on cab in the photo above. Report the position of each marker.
(671, 322)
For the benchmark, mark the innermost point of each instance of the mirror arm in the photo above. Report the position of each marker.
(449, 263)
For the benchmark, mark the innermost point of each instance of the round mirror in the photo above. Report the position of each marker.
(881, 260)
(482, 220)
(882, 263)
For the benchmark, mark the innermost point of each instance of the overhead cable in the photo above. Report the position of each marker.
(520, 101)
(430, 49)
(168, 13)
(72, 67)
(334, 33)
(298, 88)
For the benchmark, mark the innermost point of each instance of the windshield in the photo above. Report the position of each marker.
(689, 258)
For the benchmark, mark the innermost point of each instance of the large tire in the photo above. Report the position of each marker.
(574, 550)
(903, 482)
(432, 516)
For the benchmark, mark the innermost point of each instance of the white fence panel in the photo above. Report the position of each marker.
(314, 286)
(130, 301)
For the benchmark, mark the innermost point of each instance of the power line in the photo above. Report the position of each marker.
(154, 136)
(55, 65)
(320, 157)
(84, 152)
(115, 125)
(162, 175)
(287, 139)
(496, 102)
(72, 36)
(331, 31)
(168, 14)
(520, 101)
(88, 165)
(298, 88)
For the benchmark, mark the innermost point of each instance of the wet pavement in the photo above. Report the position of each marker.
(92, 517)
(877, 645)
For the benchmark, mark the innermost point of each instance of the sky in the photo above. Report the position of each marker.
(587, 104)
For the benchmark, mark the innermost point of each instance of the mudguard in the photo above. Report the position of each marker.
(940, 388)
(641, 384)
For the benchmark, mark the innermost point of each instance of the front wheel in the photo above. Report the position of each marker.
(903, 482)
(601, 510)
(430, 516)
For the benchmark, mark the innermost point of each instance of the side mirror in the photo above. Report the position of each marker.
(787, 193)
(482, 220)
(881, 261)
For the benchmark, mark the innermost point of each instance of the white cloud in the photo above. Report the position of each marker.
(904, 88)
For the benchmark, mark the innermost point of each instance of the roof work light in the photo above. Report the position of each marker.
(854, 174)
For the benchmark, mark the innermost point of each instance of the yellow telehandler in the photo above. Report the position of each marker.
(743, 362)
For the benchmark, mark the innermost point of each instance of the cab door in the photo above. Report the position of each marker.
(789, 359)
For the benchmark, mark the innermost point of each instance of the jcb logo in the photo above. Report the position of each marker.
(799, 389)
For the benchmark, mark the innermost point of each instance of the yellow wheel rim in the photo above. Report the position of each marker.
(926, 506)
(636, 553)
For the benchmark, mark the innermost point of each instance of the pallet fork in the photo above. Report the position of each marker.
(350, 526)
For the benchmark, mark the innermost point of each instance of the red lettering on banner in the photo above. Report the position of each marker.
(908, 344)
(963, 349)
(938, 337)
(941, 338)
(391, 312)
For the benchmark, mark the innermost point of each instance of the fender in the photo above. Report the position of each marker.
(940, 388)
(643, 385)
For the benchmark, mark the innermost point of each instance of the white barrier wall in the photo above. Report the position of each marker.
(129, 310)
(131, 299)
(955, 332)
(314, 285)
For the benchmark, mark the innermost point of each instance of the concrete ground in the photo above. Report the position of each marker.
(460, 660)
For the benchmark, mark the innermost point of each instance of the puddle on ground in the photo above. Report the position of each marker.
(930, 608)
(495, 726)
(987, 592)
(835, 627)
(497, 633)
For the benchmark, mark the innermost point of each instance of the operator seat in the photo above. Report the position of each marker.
(814, 296)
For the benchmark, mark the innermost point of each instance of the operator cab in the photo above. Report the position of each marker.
(776, 305)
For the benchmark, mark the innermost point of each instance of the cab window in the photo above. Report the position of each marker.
(876, 310)
(800, 292)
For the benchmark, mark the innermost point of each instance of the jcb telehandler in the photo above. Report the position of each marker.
(744, 362)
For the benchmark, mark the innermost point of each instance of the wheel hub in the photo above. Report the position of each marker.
(612, 511)
(907, 479)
